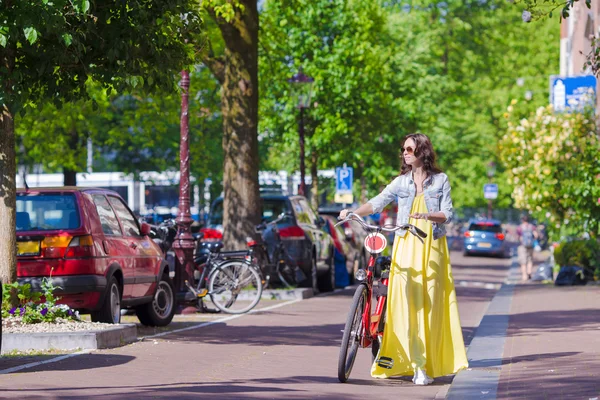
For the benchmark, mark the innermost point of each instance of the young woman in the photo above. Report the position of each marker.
(422, 333)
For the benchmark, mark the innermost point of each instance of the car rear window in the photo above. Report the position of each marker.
(272, 208)
(482, 227)
(46, 212)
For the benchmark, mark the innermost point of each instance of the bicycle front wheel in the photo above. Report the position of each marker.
(235, 287)
(353, 332)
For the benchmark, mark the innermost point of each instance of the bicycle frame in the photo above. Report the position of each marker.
(370, 321)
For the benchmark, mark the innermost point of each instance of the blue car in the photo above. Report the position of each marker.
(485, 237)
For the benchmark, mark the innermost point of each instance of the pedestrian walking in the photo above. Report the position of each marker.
(527, 237)
(422, 333)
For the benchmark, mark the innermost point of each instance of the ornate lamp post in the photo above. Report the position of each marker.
(302, 86)
(491, 171)
(184, 241)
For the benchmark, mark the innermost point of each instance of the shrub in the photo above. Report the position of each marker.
(580, 253)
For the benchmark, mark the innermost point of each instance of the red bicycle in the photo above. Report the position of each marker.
(363, 328)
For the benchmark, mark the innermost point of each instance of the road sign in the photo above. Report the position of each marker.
(343, 179)
(344, 198)
(572, 92)
(490, 191)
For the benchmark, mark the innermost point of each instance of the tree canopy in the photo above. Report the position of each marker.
(50, 49)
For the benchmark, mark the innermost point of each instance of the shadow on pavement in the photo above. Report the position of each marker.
(87, 361)
(553, 321)
(493, 362)
(181, 390)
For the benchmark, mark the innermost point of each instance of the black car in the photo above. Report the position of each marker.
(303, 234)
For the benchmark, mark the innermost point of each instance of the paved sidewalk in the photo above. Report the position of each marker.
(536, 341)
(552, 348)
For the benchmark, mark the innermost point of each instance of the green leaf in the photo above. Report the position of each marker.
(85, 5)
(68, 39)
(31, 34)
(3, 40)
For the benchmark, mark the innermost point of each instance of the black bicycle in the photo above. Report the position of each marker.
(278, 262)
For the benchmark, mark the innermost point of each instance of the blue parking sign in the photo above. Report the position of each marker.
(343, 179)
(490, 191)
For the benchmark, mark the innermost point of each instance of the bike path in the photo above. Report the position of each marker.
(288, 352)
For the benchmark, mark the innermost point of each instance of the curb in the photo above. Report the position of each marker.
(480, 380)
(287, 294)
(90, 340)
(278, 294)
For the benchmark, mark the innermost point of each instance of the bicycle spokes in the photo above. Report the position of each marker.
(235, 287)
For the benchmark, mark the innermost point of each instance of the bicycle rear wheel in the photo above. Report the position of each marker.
(353, 331)
(235, 287)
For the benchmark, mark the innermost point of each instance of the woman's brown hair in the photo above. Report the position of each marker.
(424, 152)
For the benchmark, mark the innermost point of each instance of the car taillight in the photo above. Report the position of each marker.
(55, 246)
(80, 246)
(211, 235)
(468, 234)
(291, 233)
(251, 243)
(67, 246)
(500, 236)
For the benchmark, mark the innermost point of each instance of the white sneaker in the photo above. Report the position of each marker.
(421, 378)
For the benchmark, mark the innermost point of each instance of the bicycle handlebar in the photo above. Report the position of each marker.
(387, 228)
(263, 225)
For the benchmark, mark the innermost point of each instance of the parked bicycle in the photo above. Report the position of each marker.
(363, 328)
(278, 263)
(228, 278)
(233, 284)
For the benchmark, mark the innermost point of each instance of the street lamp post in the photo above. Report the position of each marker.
(302, 89)
(491, 171)
(184, 241)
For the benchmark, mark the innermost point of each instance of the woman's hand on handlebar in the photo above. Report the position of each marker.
(344, 213)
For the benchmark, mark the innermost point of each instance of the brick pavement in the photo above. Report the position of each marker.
(552, 348)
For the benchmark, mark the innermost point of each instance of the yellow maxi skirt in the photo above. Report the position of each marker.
(422, 328)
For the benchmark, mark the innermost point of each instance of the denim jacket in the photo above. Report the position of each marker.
(436, 189)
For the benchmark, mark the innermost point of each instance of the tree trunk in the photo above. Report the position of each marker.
(69, 175)
(314, 189)
(8, 172)
(239, 96)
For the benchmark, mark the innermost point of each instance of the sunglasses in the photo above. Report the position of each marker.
(408, 149)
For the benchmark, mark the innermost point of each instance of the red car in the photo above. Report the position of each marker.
(97, 253)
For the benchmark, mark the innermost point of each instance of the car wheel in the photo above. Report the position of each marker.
(160, 311)
(327, 281)
(110, 310)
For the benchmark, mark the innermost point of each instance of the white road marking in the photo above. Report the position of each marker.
(225, 319)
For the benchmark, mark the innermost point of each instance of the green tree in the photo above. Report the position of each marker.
(343, 46)
(552, 165)
(51, 49)
(446, 69)
(56, 136)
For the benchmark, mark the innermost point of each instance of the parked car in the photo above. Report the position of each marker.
(485, 237)
(343, 249)
(98, 255)
(306, 240)
(353, 232)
